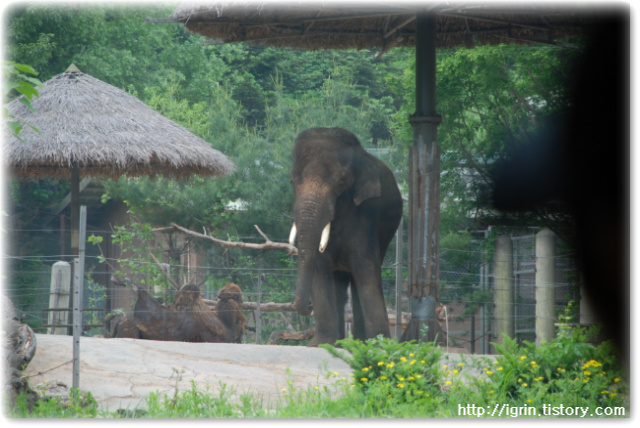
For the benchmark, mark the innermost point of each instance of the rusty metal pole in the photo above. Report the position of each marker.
(424, 188)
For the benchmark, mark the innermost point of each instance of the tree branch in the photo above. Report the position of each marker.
(267, 245)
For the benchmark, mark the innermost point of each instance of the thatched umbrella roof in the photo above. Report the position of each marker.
(339, 25)
(105, 132)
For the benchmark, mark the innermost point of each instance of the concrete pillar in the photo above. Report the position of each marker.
(545, 286)
(59, 297)
(503, 288)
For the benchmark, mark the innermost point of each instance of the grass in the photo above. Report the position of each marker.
(408, 380)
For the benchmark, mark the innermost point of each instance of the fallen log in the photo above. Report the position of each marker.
(264, 307)
(291, 335)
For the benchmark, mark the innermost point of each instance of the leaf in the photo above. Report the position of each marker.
(27, 90)
(26, 69)
(15, 127)
(26, 103)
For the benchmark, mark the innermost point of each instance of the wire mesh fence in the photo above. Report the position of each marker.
(466, 292)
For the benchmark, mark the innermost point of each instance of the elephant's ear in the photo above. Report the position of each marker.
(367, 180)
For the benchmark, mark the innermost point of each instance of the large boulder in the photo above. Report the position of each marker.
(19, 346)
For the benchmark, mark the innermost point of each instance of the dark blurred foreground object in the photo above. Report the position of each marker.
(580, 166)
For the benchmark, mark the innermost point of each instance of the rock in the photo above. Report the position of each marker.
(19, 346)
(120, 373)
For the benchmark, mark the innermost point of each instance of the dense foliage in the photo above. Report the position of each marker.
(250, 102)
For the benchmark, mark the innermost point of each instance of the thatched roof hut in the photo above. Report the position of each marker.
(105, 132)
(337, 25)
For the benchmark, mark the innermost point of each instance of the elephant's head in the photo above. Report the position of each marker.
(328, 165)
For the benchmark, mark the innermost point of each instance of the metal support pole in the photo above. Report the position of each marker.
(399, 243)
(424, 183)
(78, 285)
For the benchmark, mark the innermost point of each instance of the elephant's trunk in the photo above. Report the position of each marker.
(312, 219)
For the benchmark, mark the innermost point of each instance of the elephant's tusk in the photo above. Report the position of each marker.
(292, 234)
(324, 239)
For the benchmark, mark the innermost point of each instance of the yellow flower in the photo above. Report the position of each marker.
(316, 387)
(381, 363)
(519, 380)
(523, 357)
(444, 367)
(529, 400)
(455, 372)
(460, 364)
(586, 380)
(412, 362)
(283, 390)
(604, 392)
(411, 378)
(586, 372)
(448, 382)
(403, 359)
(525, 384)
(591, 363)
(418, 376)
(489, 372)
(533, 363)
(616, 380)
(499, 368)
(613, 394)
(400, 385)
(363, 379)
(422, 361)
(390, 365)
(383, 377)
(366, 369)
(411, 354)
(491, 392)
(401, 379)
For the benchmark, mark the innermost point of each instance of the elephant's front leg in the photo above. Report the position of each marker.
(323, 298)
(368, 282)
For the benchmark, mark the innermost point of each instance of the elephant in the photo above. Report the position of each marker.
(347, 209)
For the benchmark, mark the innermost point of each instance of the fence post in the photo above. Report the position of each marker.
(545, 286)
(78, 285)
(59, 297)
(258, 310)
(503, 288)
